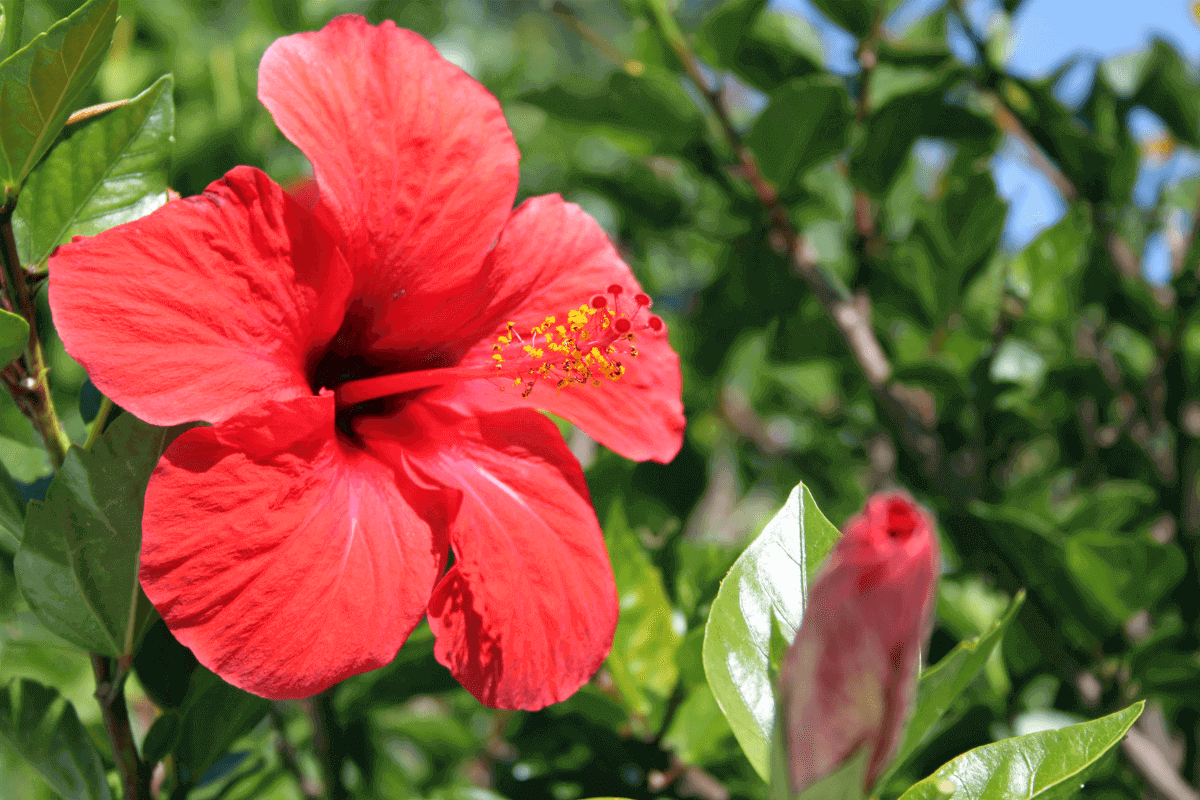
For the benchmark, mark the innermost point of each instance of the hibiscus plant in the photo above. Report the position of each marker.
(316, 399)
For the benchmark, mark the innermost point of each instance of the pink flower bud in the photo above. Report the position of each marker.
(848, 681)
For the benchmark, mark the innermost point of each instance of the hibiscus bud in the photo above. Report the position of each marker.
(847, 683)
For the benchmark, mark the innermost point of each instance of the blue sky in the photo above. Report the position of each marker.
(1044, 34)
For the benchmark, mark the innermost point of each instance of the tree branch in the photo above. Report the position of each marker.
(110, 693)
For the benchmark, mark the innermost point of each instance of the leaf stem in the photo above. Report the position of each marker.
(106, 407)
(110, 694)
(326, 735)
(31, 392)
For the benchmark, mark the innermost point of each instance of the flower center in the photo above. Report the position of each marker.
(587, 345)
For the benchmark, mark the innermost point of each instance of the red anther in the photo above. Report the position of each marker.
(599, 302)
(615, 290)
(642, 300)
(655, 323)
(622, 325)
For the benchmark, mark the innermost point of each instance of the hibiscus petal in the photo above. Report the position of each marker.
(415, 163)
(284, 558)
(208, 305)
(553, 257)
(527, 613)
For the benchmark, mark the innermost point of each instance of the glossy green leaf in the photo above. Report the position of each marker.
(769, 579)
(41, 83)
(14, 335)
(806, 122)
(78, 563)
(1050, 765)
(105, 171)
(214, 716)
(642, 660)
(942, 683)
(42, 726)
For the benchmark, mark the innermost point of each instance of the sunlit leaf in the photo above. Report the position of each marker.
(1049, 765)
(770, 579)
(103, 172)
(42, 82)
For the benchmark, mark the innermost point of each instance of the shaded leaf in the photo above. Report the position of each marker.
(855, 16)
(14, 335)
(1124, 574)
(12, 514)
(770, 579)
(42, 82)
(642, 660)
(214, 716)
(1049, 765)
(806, 122)
(106, 171)
(699, 730)
(78, 563)
(42, 726)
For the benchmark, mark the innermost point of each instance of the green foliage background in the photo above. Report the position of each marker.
(1045, 403)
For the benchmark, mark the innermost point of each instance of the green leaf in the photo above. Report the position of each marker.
(78, 563)
(855, 16)
(769, 579)
(105, 171)
(162, 737)
(725, 28)
(807, 121)
(699, 731)
(14, 335)
(942, 683)
(1170, 92)
(215, 715)
(12, 514)
(1124, 573)
(1050, 765)
(642, 660)
(42, 726)
(41, 82)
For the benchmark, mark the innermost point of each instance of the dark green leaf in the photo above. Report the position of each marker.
(769, 579)
(162, 737)
(12, 514)
(78, 563)
(14, 335)
(942, 683)
(653, 103)
(855, 16)
(1124, 574)
(42, 726)
(1050, 765)
(642, 660)
(806, 122)
(214, 716)
(1169, 90)
(41, 83)
(725, 28)
(105, 171)
(780, 46)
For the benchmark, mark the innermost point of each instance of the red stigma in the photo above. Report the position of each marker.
(599, 302)
(655, 323)
(642, 300)
(615, 290)
(622, 325)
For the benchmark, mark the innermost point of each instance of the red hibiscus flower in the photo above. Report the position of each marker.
(848, 681)
(372, 368)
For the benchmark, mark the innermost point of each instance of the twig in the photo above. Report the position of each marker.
(32, 393)
(106, 407)
(311, 789)
(569, 18)
(110, 693)
(1148, 760)
(851, 316)
(673, 704)
(325, 743)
